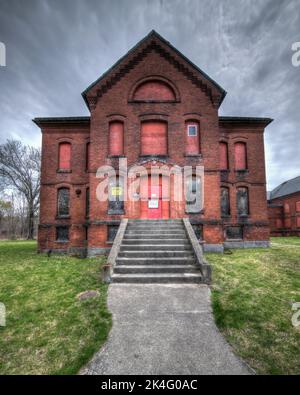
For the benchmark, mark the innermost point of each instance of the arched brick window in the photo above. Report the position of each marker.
(154, 90)
(192, 137)
(116, 138)
(240, 152)
(64, 156)
(224, 156)
(154, 138)
(63, 202)
(242, 202)
(225, 202)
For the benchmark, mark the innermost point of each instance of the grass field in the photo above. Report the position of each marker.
(253, 292)
(49, 331)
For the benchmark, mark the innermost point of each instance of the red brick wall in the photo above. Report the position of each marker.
(287, 210)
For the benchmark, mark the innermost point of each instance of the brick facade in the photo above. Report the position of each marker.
(176, 93)
(284, 215)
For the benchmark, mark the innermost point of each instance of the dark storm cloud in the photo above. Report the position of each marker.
(56, 48)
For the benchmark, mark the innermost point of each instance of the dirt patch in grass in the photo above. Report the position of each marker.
(48, 330)
(253, 294)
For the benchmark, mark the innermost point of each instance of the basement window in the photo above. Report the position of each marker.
(62, 234)
(112, 232)
(234, 233)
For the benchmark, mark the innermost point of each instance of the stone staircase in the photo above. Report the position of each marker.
(156, 251)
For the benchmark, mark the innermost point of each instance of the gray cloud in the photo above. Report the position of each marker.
(56, 48)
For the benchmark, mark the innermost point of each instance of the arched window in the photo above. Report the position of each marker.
(192, 137)
(287, 208)
(64, 156)
(242, 202)
(154, 90)
(225, 202)
(240, 152)
(193, 195)
(154, 138)
(116, 138)
(63, 202)
(224, 156)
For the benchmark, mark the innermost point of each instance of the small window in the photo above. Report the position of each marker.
(234, 233)
(198, 229)
(112, 232)
(242, 202)
(63, 202)
(286, 208)
(62, 233)
(192, 130)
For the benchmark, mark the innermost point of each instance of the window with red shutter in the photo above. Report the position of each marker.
(240, 152)
(64, 156)
(154, 138)
(116, 138)
(224, 156)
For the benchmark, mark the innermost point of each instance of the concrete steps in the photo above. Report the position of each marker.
(156, 251)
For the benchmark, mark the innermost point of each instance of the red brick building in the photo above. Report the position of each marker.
(155, 109)
(284, 209)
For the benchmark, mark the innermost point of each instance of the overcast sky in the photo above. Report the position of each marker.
(56, 48)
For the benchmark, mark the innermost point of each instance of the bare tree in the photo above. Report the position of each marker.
(20, 171)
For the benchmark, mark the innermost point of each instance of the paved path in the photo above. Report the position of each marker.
(163, 329)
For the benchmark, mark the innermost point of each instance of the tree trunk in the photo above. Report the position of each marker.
(30, 231)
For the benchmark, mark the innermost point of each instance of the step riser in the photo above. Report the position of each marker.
(155, 254)
(158, 247)
(154, 280)
(156, 233)
(162, 269)
(137, 242)
(155, 226)
(158, 261)
(154, 236)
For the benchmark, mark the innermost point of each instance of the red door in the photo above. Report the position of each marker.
(154, 201)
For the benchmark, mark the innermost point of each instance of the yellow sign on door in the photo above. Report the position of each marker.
(117, 191)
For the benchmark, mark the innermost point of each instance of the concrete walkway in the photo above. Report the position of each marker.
(163, 329)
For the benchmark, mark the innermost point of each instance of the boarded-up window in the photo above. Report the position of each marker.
(87, 202)
(88, 156)
(154, 138)
(286, 208)
(279, 223)
(242, 202)
(64, 156)
(154, 91)
(298, 207)
(225, 204)
(62, 233)
(63, 202)
(116, 138)
(193, 195)
(224, 156)
(192, 137)
(240, 152)
(298, 222)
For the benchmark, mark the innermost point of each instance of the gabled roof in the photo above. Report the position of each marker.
(286, 188)
(153, 35)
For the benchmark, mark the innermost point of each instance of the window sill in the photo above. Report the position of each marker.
(193, 155)
(154, 157)
(242, 171)
(115, 212)
(62, 241)
(62, 171)
(235, 240)
(116, 156)
(63, 217)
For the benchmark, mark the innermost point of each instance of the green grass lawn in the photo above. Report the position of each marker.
(253, 292)
(49, 331)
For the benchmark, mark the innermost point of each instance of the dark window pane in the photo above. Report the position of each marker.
(242, 202)
(198, 229)
(63, 202)
(225, 205)
(234, 232)
(112, 232)
(62, 233)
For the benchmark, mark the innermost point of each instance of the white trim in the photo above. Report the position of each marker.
(196, 128)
